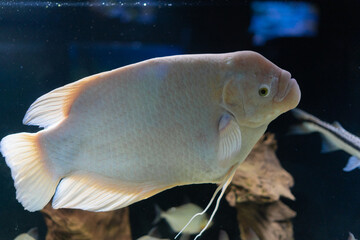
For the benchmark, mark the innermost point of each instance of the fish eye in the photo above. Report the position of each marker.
(264, 91)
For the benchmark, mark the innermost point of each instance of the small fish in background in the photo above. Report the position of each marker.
(177, 217)
(334, 136)
(32, 234)
(153, 234)
(351, 236)
(223, 235)
(147, 237)
(118, 137)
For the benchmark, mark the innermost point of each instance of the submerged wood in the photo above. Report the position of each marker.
(256, 188)
(71, 224)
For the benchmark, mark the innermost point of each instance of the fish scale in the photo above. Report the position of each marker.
(142, 135)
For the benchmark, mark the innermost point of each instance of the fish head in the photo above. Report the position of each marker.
(256, 91)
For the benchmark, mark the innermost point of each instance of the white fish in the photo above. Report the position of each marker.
(351, 236)
(152, 235)
(121, 136)
(147, 237)
(32, 234)
(334, 136)
(177, 217)
(223, 235)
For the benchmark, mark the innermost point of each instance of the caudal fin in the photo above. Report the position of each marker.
(34, 183)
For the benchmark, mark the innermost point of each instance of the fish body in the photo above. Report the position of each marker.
(335, 137)
(118, 137)
(32, 234)
(351, 236)
(24, 236)
(177, 217)
(146, 237)
(223, 235)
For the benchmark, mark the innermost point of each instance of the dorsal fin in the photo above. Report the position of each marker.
(337, 125)
(53, 107)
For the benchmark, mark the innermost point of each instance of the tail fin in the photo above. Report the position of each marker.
(34, 183)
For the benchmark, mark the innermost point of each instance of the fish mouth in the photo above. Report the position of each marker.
(288, 94)
(285, 84)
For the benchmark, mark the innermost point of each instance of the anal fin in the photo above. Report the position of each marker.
(90, 193)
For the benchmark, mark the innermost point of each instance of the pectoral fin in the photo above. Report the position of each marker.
(327, 145)
(229, 139)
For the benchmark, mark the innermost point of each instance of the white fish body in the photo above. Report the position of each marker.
(146, 237)
(24, 236)
(351, 236)
(223, 235)
(177, 217)
(32, 234)
(121, 136)
(335, 137)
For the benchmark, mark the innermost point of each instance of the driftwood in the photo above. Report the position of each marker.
(71, 224)
(255, 191)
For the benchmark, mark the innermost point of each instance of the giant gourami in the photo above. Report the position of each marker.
(118, 137)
